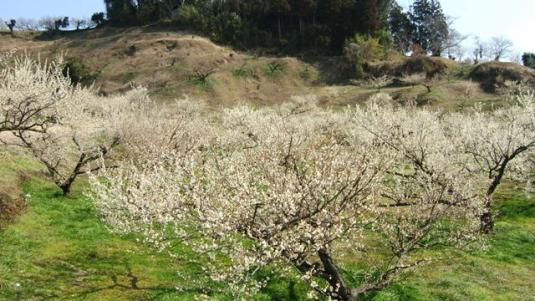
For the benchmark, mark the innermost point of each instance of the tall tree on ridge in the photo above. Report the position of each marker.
(430, 25)
(121, 12)
(439, 29)
(302, 8)
(280, 8)
(369, 20)
(401, 28)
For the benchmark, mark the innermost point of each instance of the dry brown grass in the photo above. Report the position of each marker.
(164, 60)
(494, 75)
(428, 66)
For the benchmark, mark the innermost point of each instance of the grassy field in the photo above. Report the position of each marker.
(59, 250)
(504, 270)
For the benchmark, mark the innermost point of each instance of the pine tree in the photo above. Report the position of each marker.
(528, 59)
(438, 29)
(121, 12)
(302, 8)
(280, 8)
(429, 25)
(401, 28)
(369, 17)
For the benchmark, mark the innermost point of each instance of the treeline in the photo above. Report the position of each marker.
(311, 26)
(51, 23)
(315, 25)
(290, 24)
(300, 26)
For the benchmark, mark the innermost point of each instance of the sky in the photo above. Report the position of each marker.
(49, 8)
(513, 19)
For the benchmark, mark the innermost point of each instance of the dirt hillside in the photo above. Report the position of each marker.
(173, 63)
(170, 64)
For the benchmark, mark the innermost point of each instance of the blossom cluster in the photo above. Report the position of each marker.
(296, 186)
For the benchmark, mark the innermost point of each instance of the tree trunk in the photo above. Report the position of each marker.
(336, 279)
(279, 27)
(486, 219)
(66, 188)
(302, 30)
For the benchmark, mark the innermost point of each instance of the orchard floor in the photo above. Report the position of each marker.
(59, 250)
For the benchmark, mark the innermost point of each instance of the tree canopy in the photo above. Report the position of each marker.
(301, 25)
(296, 24)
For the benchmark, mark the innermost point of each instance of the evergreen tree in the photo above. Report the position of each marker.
(121, 12)
(421, 19)
(438, 28)
(61, 23)
(98, 18)
(11, 25)
(341, 17)
(429, 25)
(528, 59)
(384, 7)
(369, 21)
(401, 28)
(305, 23)
(280, 8)
(302, 8)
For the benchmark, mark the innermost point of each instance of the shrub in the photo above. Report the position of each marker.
(79, 72)
(528, 59)
(274, 68)
(98, 18)
(201, 78)
(191, 16)
(305, 74)
(241, 71)
(359, 50)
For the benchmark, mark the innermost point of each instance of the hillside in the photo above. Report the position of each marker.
(165, 61)
(172, 63)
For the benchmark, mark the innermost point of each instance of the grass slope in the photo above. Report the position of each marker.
(13, 170)
(59, 250)
(503, 271)
(164, 60)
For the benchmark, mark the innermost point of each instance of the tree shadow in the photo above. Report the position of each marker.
(157, 291)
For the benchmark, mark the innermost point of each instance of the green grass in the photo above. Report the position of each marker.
(504, 270)
(204, 84)
(241, 72)
(59, 250)
(274, 69)
(129, 76)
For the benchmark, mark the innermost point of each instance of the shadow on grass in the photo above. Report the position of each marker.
(59, 249)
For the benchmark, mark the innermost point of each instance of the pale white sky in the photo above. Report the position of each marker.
(514, 19)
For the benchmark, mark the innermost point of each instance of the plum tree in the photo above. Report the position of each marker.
(297, 188)
(68, 129)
